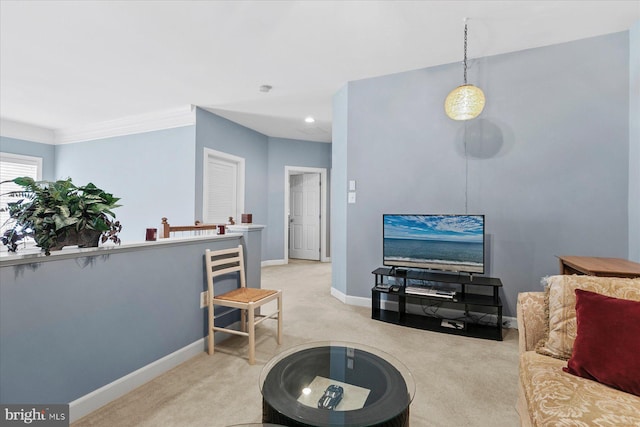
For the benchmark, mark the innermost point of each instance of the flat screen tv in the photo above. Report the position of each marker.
(434, 242)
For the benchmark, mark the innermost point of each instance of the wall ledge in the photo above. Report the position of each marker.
(34, 255)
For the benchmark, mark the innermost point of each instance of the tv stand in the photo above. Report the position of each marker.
(398, 271)
(478, 294)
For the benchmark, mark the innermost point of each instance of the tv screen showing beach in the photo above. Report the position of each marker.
(434, 242)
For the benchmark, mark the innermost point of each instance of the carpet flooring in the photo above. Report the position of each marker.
(460, 381)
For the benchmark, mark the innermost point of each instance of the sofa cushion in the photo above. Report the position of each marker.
(556, 398)
(607, 344)
(561, 302)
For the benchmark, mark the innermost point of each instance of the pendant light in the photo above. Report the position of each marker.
(467, 101)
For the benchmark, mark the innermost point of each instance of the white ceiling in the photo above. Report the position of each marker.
(69, 64)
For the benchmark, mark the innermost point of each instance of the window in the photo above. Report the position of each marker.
(223, 188)
(13, 166)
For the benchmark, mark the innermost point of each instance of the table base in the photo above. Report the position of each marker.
(270, 415)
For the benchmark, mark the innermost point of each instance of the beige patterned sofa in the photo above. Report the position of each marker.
(547, 395)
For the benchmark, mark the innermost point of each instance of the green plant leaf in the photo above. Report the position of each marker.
(24, 181)
(62, 222)
(64, 210)
(100, 225)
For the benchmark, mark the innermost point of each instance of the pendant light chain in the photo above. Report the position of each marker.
(465, 53)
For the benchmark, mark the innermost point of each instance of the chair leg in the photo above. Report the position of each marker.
(243, 320)
(252, 335)
(211, 333)
(280, 318)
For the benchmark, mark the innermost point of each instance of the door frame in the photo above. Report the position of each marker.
(294, 170)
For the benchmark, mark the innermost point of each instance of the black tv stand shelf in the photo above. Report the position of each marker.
(478, 294)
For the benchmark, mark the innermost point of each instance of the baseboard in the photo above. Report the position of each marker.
(271, 262)
(338, 295)
(350, 300)
(510, 322)
(100, 397)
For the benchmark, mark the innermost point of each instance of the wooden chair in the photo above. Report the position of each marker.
(198, 229)
(227, 261)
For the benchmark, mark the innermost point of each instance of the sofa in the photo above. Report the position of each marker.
(579, 352)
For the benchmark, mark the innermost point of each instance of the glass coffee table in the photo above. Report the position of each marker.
(336, 384)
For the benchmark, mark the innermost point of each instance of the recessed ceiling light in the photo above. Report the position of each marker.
(309, 119)
(265, 88)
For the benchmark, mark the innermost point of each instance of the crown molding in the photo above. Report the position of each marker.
(26, 132)
(183, 116)
(178, 117)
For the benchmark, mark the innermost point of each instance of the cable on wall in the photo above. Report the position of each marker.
(466, 172)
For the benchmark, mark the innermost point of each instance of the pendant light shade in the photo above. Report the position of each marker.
(466, 101)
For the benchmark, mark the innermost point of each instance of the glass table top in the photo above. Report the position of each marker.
(334, 383)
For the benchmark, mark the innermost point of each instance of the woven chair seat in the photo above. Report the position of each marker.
(246, 295)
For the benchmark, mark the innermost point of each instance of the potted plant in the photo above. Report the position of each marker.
(59, 213)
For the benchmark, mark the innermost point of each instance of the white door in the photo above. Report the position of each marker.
(223, 187)
(304, 216)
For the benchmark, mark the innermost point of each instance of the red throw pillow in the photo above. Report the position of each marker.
(607, 345)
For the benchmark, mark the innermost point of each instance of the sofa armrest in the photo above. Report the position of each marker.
(532, 319)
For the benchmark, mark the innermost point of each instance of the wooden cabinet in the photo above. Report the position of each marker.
(594, 266)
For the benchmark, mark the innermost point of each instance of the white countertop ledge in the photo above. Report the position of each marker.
(35, 255)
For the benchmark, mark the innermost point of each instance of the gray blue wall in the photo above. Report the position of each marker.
(547, 162)
(71, 326)
(288, 152)
(339, 148)
(634, 143)
(151, 172)
(35, 149)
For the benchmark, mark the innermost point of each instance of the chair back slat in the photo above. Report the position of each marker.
(218, 261)
(223, 271)
(223, 262)
(221, 252)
